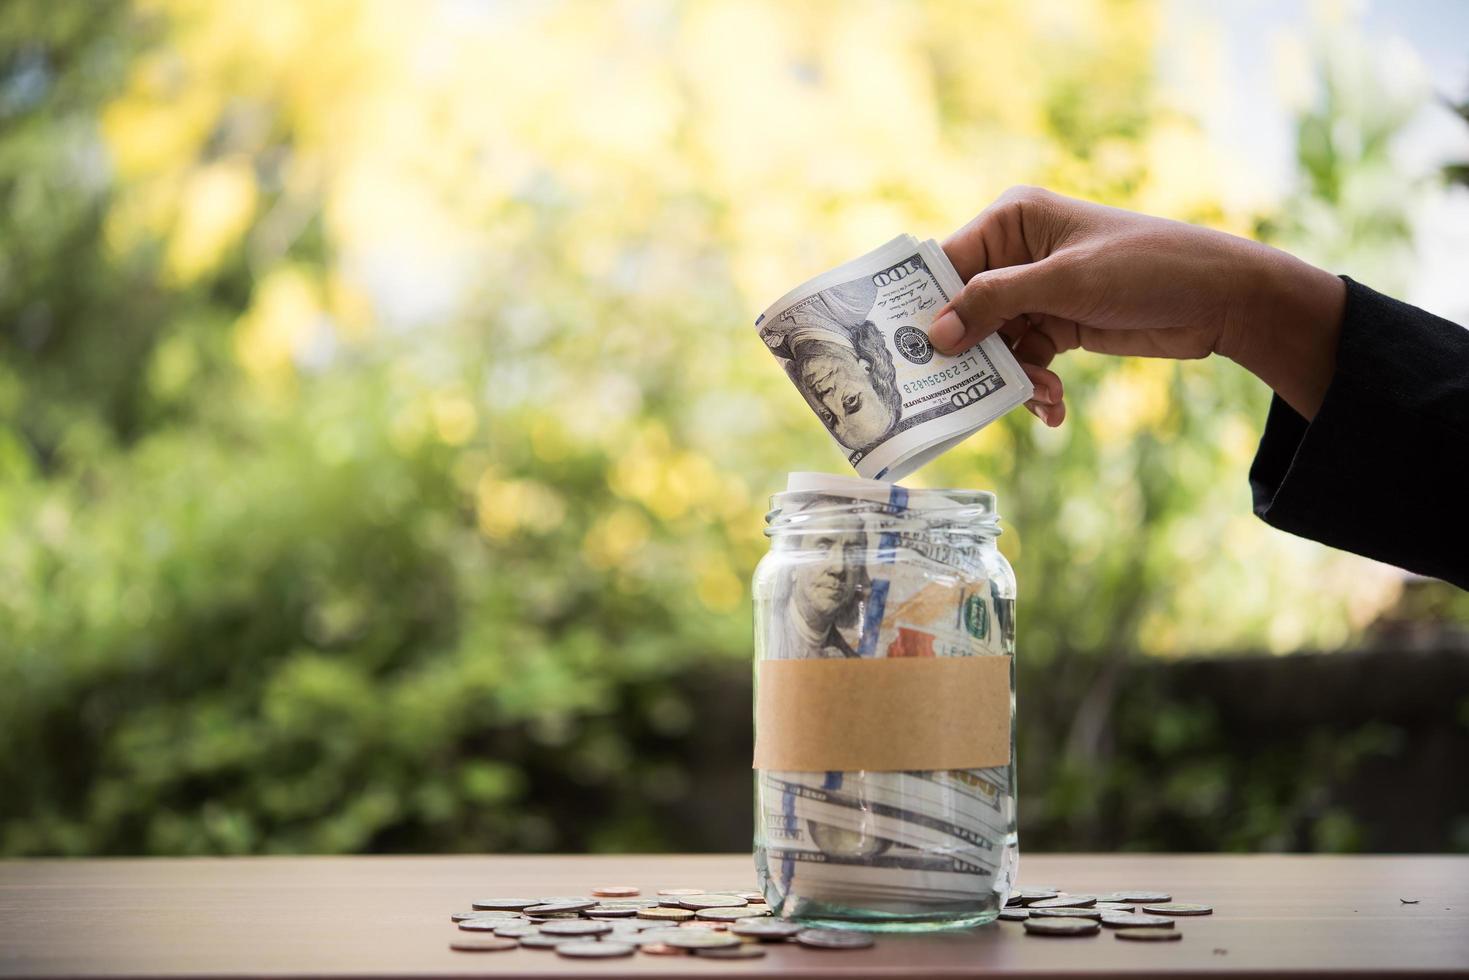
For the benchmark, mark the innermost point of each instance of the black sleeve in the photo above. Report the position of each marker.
(1383, 469)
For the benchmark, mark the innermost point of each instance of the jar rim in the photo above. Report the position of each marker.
(949, 508)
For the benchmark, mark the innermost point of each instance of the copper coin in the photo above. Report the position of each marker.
(1064, 902)
(1061, 927)
(1135, 920)
(1177, 908)
(1149, 935)
(744, 951)
(617, 891)
(662, 949)
(485, 944)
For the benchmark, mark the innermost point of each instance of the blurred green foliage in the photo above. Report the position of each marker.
(383, 442)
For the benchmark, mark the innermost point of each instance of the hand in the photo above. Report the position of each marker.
(1053, 274)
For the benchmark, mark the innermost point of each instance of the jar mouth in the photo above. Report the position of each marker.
(944, 510)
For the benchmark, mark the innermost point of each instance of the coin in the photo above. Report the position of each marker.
(701, 924)
(1113, 906)
(681, 891)
(712, 902)
(1177, 908)
(765, 928)
(611, 912)
(1135, 920)
(744, 951)
(1064, 913)
(484, 944)
(505, 904)
(558, 916)
(1142, 897)
(485, 925)
(572, 905)
(575, 927)
(539, 941)
(729, 915)
(658, 934)
(662, 949)
(833, 939)
(1061, 926)
(701, 939)
(629, 903)
(1014, 915)
(617, 891)
(485, 914)
(749, 896)
(1027, 895)
(593, 950)
(461, 916)
(1149, 935)
(673, 915)
(514, 930)
(1064, 902)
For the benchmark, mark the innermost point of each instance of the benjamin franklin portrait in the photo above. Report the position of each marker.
(821, 595)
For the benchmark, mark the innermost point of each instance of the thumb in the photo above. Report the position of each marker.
(997, 295)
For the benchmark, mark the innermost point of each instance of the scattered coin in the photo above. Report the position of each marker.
(765, 928)
(673, 915)
(833, 939)
(744, 951)
(551, 918)
(617, 891)
(730, 915)
(1064, 913)
(593, 950)
(701, 939)
(571, 905)
(539, 941)
(484, 944)
(681, 891)
(1149, 935)
(1142, 897)
(461, 916)
(662, 949)
(506, 904)
(749, 896)
(516, 930)
(701, 924)
(611, 912)
(1113, 906)
(1177, 908)
(1027, 895)
(1135, 920)
(575, 927)
(1064, 902)
(1014, 915)
(629, 903)
(485, 914)
(484, 925)
(697, 902)
(1061, 927)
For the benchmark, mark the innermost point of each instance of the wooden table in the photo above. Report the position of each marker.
(366, 917)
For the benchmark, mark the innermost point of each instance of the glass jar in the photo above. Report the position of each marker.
(885, 692)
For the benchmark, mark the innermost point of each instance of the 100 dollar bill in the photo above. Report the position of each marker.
(854, 341)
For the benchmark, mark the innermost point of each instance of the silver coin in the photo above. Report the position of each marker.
(1014, 915)
(505, 904)
(461, 916)
(1113, 906)
(1141, 898)
(698, 902)
(748, 896)
(516, 930)
(539, 941)
(730, 915)
(700, 939)
(628, 903)
(1025, 896)
(1149, 935)
(575, 927)
(1135, 920)
(611, 912)
(833, 939)
(485, 925)
(485, 914)
(649, 937)
(1061, 926)
(1064, 902)
(584, 950)
(1065, 913)
(572, 905)
(482, 944)
(1177, 908)
(744, 951)
(764, 927)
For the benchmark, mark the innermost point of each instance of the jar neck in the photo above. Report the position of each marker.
(967, 516)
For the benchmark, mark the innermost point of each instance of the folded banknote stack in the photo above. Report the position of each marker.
(854, 342)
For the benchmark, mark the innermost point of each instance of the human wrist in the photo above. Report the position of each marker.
(1285, 332)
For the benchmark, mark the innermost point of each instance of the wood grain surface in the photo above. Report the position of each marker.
(1278, 916)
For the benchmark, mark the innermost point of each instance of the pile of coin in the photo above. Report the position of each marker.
(615, 920)
(1137, 916)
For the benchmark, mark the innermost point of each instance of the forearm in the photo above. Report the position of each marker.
(1286, 326)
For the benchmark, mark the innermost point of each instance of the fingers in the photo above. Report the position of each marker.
(992, 298)
(1048, 403)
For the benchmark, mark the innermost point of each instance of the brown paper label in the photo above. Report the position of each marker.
(883, 714)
